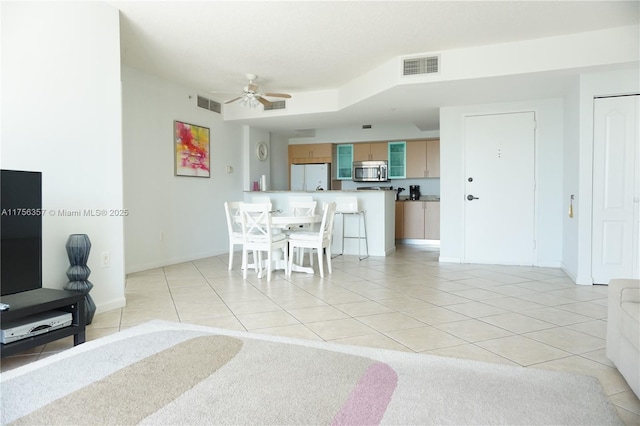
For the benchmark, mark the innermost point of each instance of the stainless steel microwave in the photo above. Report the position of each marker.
(369, 171)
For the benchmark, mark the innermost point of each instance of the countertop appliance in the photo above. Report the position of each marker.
(310, 177)
(398, 191)
(414, 192)
(369, 171)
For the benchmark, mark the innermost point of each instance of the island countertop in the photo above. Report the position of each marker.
(379, 208)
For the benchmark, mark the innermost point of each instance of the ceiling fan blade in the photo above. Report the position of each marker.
(263, 101)
(233, 100)
(252, 87)
(277, 95)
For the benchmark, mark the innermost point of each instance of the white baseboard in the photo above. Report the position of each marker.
(449, 260)
(129, 269)
(111, 305)
(549, 264)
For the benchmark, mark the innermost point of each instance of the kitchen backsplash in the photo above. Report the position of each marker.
(428, 186)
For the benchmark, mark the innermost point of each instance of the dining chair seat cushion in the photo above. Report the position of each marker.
(303, 236)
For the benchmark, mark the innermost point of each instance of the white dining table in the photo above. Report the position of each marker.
(280, 222)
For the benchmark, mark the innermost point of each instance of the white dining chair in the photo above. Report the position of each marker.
(302, 208)
(234, 228)
(319, 240)
(259, 235)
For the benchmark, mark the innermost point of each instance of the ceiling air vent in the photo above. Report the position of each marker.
(209, 104)
(426, 65)
(275, 105)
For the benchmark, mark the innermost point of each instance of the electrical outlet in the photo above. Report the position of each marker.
(106, 259)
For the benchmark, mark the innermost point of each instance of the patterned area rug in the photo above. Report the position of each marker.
(170, 373)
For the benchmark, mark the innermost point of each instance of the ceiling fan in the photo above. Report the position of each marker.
(250, 95)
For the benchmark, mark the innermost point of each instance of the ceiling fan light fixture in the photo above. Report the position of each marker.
(252, 98)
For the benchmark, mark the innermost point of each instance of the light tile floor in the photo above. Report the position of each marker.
(408, 301)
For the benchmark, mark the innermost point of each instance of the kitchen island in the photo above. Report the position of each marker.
(379, 207)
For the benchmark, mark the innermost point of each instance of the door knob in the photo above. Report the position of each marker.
(471, 197)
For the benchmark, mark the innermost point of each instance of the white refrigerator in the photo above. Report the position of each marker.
(310, 177)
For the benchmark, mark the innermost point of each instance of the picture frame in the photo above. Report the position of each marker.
(191, 147)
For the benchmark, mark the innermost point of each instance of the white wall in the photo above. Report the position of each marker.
(173, 219)
(278, 162)
(254, 168)
(593, 84)
(61, 114)
(570, 170)
(549, 151)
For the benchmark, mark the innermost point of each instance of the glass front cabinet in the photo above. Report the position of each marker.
(397, 160)
(344, 158)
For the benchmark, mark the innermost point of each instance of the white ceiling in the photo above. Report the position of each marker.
(301, 46)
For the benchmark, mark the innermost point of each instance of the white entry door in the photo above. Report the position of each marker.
(500, 189)
(614, 248)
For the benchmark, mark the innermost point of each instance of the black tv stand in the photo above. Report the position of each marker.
(42, 300)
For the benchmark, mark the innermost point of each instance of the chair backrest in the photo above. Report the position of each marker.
(328, 215)
(303, 208)
(255, 219)
(347, 204)
(232, 210)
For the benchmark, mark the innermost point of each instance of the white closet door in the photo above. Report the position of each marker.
(614, 248)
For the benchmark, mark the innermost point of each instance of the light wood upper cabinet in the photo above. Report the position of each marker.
(433, 158)
(310, 153)
(423, 158)
(370, 151)
(416, 158)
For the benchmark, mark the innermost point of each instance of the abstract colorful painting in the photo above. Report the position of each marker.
(192, 156)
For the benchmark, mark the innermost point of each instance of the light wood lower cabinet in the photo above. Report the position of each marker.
(420, 220)
(399, 219)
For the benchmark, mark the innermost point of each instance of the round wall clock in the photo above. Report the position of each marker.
(262, 151)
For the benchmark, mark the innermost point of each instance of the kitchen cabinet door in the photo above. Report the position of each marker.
(310, 153)
(370, 151)
(321, 151)
(414, 220)
(344, 160)
(416, 159)
(399, 219)
(433, 158)
(423, 158)
(421, 220)
(432, 220)
(379, 151)
(397, 160)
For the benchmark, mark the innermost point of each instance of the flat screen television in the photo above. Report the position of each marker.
(21, 231)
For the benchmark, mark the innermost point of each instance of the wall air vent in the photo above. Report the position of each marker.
(209, 104)
(275, 105)
(426, 65)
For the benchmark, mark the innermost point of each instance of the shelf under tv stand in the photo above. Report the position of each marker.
(40, 300)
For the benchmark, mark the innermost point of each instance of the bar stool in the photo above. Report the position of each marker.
(348, 206)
